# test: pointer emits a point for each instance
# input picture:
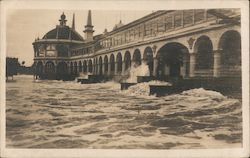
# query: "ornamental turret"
(89, 28)
(63, 20)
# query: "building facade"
(174, 44)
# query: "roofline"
(140, 20)
(57, 41)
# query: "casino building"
(195, 43)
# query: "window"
(154, 28)
(199, 15)
(131, 34)
(187, 17)
(168, 22)
(148, 29)
(141, 28)
(177, 20)
(137, 30)
(160, 24)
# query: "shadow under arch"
(230, 49)
(172, 61)
(62, 71)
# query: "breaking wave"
(142, 89)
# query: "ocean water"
(57, 114)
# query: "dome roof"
(63, 32)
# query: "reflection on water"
(57, 114)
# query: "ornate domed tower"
(53, 51)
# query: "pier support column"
(69, 69)
(184, 69)
(86, 69)
(55, 68)
(123, 68)
(133, 64)
(115, 73)
(109, 69)
(96, 69)
(93, 69)
(192, 64)
(155, 67)
(217, 63)
(103, 69)
(76, 69)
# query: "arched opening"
(75, 68)
(62, 70)
(84, 66)
(50, 70)
(106, 65)
(80, 66)
(127, 60)
(90, 70)
(136, 58)
(148, 59)
(112, 64)
(39, 69)
(119, 63)
(172, 62)
(100, 66)
(204, 54)
(230, 46)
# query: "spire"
(89, 28)
(89, 20)
(73, 22)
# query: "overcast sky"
(23, 26)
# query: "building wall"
(169, 31)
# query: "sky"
(24, 25)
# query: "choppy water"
(56, 114)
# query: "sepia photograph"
(124, 79)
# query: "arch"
(230, 46)
(204, 53)
(172, 61)
(90, 66)
(112, 64)
(119, 62)
(39, 69)
(148, 59)
(100, 66)
(62, 70)
(50, 70)
(75, 68)
(106, 64)
(137, 58)
(127, 60)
